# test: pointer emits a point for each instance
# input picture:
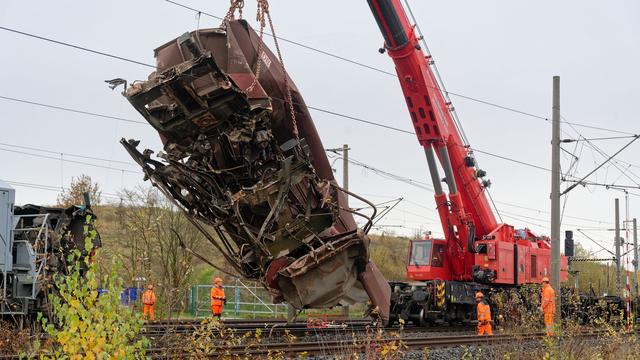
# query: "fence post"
(192, 300)
(237, 298)
(253, 290)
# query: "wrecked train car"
(242, 156)
(35, 243)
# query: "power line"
(72, 110)
(77, 47)
(360, 120)
(538, 219)
(424, 186)
(416, 183)
(323, 52)
(67, 154)
(408, 180)
(614, 162)
(599, 166)
(608, 186)
(412, 133)
(72, 161)
(55, 188)
(317, 109)
(62, 43)
(512, 160)
(547, 212)
(597, 138)
(445, 91)
(310, 107)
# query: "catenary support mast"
(617, 244)
(555, 194)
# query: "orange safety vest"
(484, 312)
(548, 301)
(217, 296)
(149, 297)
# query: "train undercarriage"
(437, 303)
(434, 302)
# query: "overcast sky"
(504, 52)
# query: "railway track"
(328, 341)
(330, 347)
(276, 327)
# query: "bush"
(86, 325)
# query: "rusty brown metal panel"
(264, 197)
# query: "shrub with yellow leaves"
(88, 325)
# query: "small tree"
(88, 325)
(74, 195)
(155, 229)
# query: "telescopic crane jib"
(478, 248)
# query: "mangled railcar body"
(242, 155)
(35, 245)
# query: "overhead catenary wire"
(310, 107)
(415, 182)
(408, 180)
(597, 138)
(599, 166)
(77, 47)
(67, 154)
(597, 149)
(488, 153)
(72, 161)
(77, 111)
(424, 186)
(55, 188)
(97, 52)
(66, 44)
(323, 52)
(369, 67)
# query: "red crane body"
(476, 247)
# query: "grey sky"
(499, 51)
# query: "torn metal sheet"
(250, 171)
(66, 232)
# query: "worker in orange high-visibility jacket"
(483, 315)
(217, 298)
(148, 302)
(548, 305)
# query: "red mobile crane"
(477, 252)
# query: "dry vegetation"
(144, 232)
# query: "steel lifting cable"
(233, 6)
(260, 17)
(262, 14)
(264, 4)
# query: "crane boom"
(466, 215)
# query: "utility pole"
(345, 168)
(635, 258)
(617, 244)
(345, 185)
(555, 195)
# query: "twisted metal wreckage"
(242, 155)
(35, 245)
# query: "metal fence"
(244, 300)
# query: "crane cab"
(427, 260)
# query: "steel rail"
(326, 347)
